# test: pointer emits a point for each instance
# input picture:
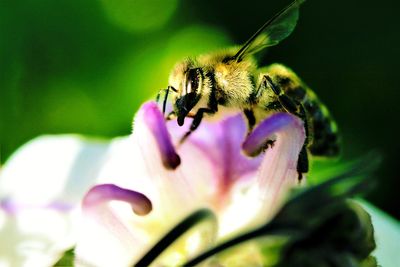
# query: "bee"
(214, 84)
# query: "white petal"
(34, 237)
(138, 163)
(40, 186)
(51, 168)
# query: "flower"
(134, 190)
(210, 172)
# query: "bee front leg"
(196, 122)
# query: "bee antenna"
(165, 99)
(158, 95)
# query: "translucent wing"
(273, 31)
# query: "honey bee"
(230, 81)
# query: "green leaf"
(67, 259)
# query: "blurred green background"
(72, 66)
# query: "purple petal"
(220, 143)
(155, 121)
(104, 193)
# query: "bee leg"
(196, 122)
(302, 163)
(251, 119)
(297, 109)
(302, 115)
(290, 105)
(284, 99)
(165, 100)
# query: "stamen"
(155, 121)
(104, 193)
(259, 137)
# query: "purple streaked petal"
(155, 121)
(101, 194)
(226, 138)
(12, 207)
(101, 220)
(278, 170)
(255, 142)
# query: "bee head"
(189, 83)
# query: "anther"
(155, 122)
(104, 193)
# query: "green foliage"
(76, 66)
(67, 259)
(345, 238)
